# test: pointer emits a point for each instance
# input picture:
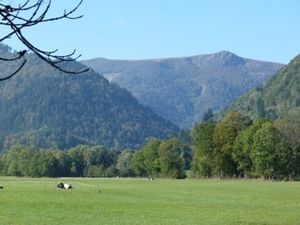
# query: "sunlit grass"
(138, 201)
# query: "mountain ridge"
(45, 108)
(182, 89)
(221, 52)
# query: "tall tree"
(203, 147)
(271, 155)
(171, 159)
(289, 128)
(125, 164)
(139, 163)
(224, 136)
(151, 157)
(208, 116)
(76, 155)
(243, 146)
(64, 163)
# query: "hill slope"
(45, 108)
(183, 89)
(279, 98)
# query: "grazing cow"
(64, 186)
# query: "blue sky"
(142, 29)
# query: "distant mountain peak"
(225, 53)
(226, 58)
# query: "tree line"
(235, 147)
(239, 147)
(96, 161)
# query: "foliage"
(203, 146)
(125, 164)
(279, 98)
(224, 136)
(208, 116)
(79, 161)
(289, 128)
(139, 163)
(151, 157)
(171, 158)
(242, 148)
(45, 108)
(271, 149)
(235, 147)
(156, 158)
(161, 158)
(271, 155)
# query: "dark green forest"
(46, 108)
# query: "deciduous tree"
(125, 164)
(171, 159)
(203, 148)
(224, 136)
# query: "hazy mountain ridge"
(46, 108)
(182, 89)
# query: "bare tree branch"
(14, 73)
(29, 14)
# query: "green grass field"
(141, 202)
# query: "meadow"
(25, 201)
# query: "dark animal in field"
(64, 186)
(1, 187)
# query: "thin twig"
(30, 14)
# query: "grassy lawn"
(141, 202)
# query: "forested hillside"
(259, 136)
(183, 89)
(279, 98)
(43, 107)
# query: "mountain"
(279, 98)
(46, 108)
(181, 90)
